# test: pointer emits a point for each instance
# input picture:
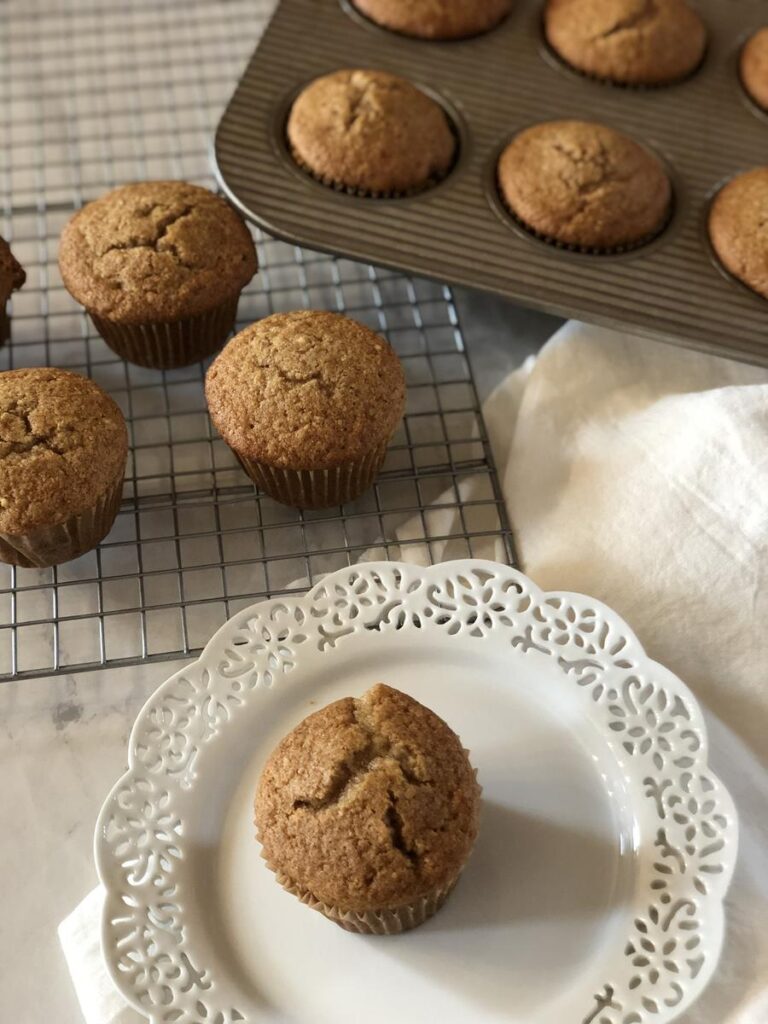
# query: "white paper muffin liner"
(50, 545)
(316, 488)
(164, 346)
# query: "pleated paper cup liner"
(629, 86)
(362, 193)
(587, 250)
(387, 921)
(52, 545)
(5, 326)
(167, 345)
(316, 488)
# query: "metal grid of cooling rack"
(93, 94)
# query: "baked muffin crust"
(738, 228)
(63, 443)
(155, 251)
(369, 803)
(306, 390)
(370, 131)
(753, 66)
(585, 185)
(12, 275)
(436, 19)
(630, 42)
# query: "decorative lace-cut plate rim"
(682, 825)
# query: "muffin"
(436, 19)
(368, 812)
(585, 186)
(753, 67)
(737, 221)
(629, 42)
(159, 266)
(370, 133)
(63, 448)
(12, 277)
(308, 402)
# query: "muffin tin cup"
(165, 346)
(51, 545)
(315, 488)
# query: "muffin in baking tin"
(370, 133)
(584, 186)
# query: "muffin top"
(370, 131)
(155, 251)
(737, 228)
(12, 274)
(754, 67)
(584, 184)
(306, 390)
(63, 443)
(436, 19)
(369, 803)
(632, 42)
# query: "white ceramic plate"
(594, 895)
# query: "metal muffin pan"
(705, 129)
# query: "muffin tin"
(705, 129)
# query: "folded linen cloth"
(636, 473)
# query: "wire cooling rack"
(93, 94)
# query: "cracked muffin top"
(369, 803)
(306, 390)
(753, 66)
(436, 19)
(12, 275)
(155, 251)
(371, 132)
(738, 228)
(583, 184)
(631, 42)
(63, 443)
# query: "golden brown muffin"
(12, 277)
(630, 42)
(436, 19)
(370, 132)
(159, 266)
(737, 228)
(584, 185)
(63, 448)
(368, 811)
(308, 401)
(753, 66)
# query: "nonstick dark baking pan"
(705, 129)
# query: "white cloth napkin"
(637, 473)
